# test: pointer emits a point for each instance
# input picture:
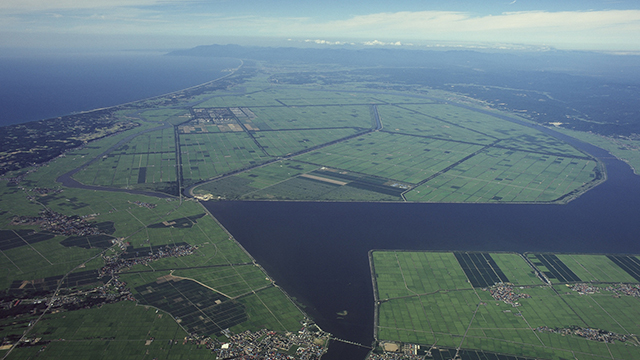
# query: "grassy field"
(425, 298)
(114, 331)
(626, 149)
(443, 152)
(439, 151)
(218, 268)
(264, 141)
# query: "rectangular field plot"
(630, 264)
(123, 321)
(312, 187)
(400, 98)
(582, 321)
(481, 269)
(10, 239)
(302, 97)
(298, 188)
(553, 268)
(598, 268)
(128, 170)
(281, 143)
(407, 121)
(271, 309)
(232, 281)
(425, 319)
(207, 155)
(516, 269)
(471, 120)
(147, 158)
(196, 308)
(149, 143)
(398, 157)
(173, 116)
(260, 98)
(311, 117)
(505, 175)
(540, 143)
(236, 186)
(405, 273)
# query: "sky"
(605, 25)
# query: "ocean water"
(35, 86)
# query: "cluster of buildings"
(59, 224)
(18, 178)
(264, 344)
(112, 292)
(114, 264)
(587, 333)
(625, 289)
(307, 344)
(505, 293)
(618, 290)
(394, 356)
(45, 191)
(583, 289)
(143, 204)
(392, 350)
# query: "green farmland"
(422, 152)
(216, 275)
(106, 251)
(270, 142)
(530, 306)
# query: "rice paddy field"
(393, 146)
(551, 306)
(219, 279)
(261, 140)
(431, 151)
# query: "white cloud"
(381, 43)
(577, 29)
(458, 22)
(566, 29)
(327, 42)
(22, 6)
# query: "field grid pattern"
(393, 147)
(438, 152)
(425, 298)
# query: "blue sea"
(35, 85)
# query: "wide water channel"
(318, 251)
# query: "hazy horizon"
(157, 24)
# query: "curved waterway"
(318, 251)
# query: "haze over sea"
(36, 86)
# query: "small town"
(505, 293)
(584, 289)
(392, 350)
(590, 334)
(115, 264)
(625, 289)
(307, 344)
(59, 224)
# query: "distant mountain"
(574, 62)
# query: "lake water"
(318, 251)
(35, 86)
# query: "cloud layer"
(615, 29)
